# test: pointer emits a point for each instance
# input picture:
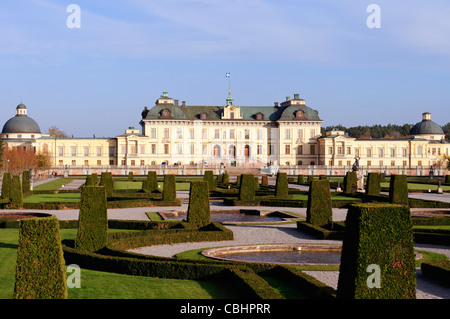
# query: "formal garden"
(38, 249)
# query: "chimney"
(296, 96)
(288, 98)
(175, 102)
(275, 104)
(183, 103)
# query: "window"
(203, 116)
(349, 150)
(99, 162)
(247, 134)
(369, 163)
(166, 148)
(142, 162)
(392, 152)
(339, 150)
(216, 134)
(153, 132)
(191, 133)
(99, 151)
(112, 150)
(74, 162)
(313, 133)
(166, 133)
(142, 149)
(287, 133)
(123, 149)
(204, 149)
(300, 150)
(404, 163)
(369, 152)
(380, 152)
(86, 163)
(300, 134)
(271, 149)
(287, 149)
(179, 148)
(204, 133)
(392, 163)
(404, 152)
(259, 134)
(357, 152)
(419, 150)
(380, 163)
(133, 162)
(73, 151)
(192, 149)
(232, 115)
(232, 133)
(60, 151)
(179, 133)
(133, 149)
(259, 149)
(232, 150)
(312, 149)
(60, 162)
(153, 148)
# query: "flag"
(228, 74)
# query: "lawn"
(53, 185)
(49, 198)
(421, 187)
(103, 285)
(333, 197)
(180, 186)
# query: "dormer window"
(231, 115)
(203, 116)
(299, 115)
(259, 116)
(165, 114)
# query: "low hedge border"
(437, 270)
(337, 231)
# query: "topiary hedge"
(169, 190)
(6, 185)
(300, 179)
(373, 184)
(247, 188)
(282, 186)
(92, 233)
(150, 184)
(26, 182)
(319, 208)
(106, 181)
(199, 213)
(398, 189)
(209, 178)
(16, 195)
(350, 183)
(380, 235)
(40, 268)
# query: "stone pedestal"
(360, 182)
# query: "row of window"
(231, 133)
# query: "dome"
(21, 123)
(426, 127)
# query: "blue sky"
(98, 78)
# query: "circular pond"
(297, 254)
(235, 216)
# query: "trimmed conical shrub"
(350, 183)
(40, 265)
(16, 195)
(6, 185)
(373, 184)
(398, 189)
(209, 177)
(377, 259)
(92, 233)
(199, 213)
(169, 190)
(247, 188)
(319, 209)
(106, 181)
(282, 186)
(26, 182)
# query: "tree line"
(381, 131)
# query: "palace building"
(286, 134)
